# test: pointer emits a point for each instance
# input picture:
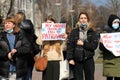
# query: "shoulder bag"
(40, 62)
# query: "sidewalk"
(37, 75)
(98, 73)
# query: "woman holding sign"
(82, 42)
(51, 48)
(111, 63)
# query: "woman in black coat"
(27, 28)
(14, 50)
(82, 42)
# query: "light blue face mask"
(9, 31)
(115, 26)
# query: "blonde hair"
(47, 45)
(20, 16)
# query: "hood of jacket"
(27, 26)
(111, 18)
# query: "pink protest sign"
(53, 31)
(111, 41)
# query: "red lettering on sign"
(108, 46)
(51, 36)
(107, 41)
(117, 41)
(107, 36)
(118, 51)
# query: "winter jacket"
(111, 63)
(27, 29)
(51, 48)
(20, 58)
(84, 52)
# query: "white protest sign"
(111, 41)
(53, 31)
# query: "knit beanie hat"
(111, 18)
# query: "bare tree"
(10, 8)
(4, 7)
(44, 6)
(114, 5)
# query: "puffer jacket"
(87, 50)
(27, 28)
(22, 46)
(111, 63)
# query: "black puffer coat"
(87, 50)
(22, 46)
(27, 29)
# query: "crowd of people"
(19, 45)
(18, 48)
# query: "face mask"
(115, 26)
(9, 31)
(83, 26)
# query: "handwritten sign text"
(111, 41)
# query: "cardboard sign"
(111, 42)
(53, 31)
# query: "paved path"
(37, 75)
(98, 73)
